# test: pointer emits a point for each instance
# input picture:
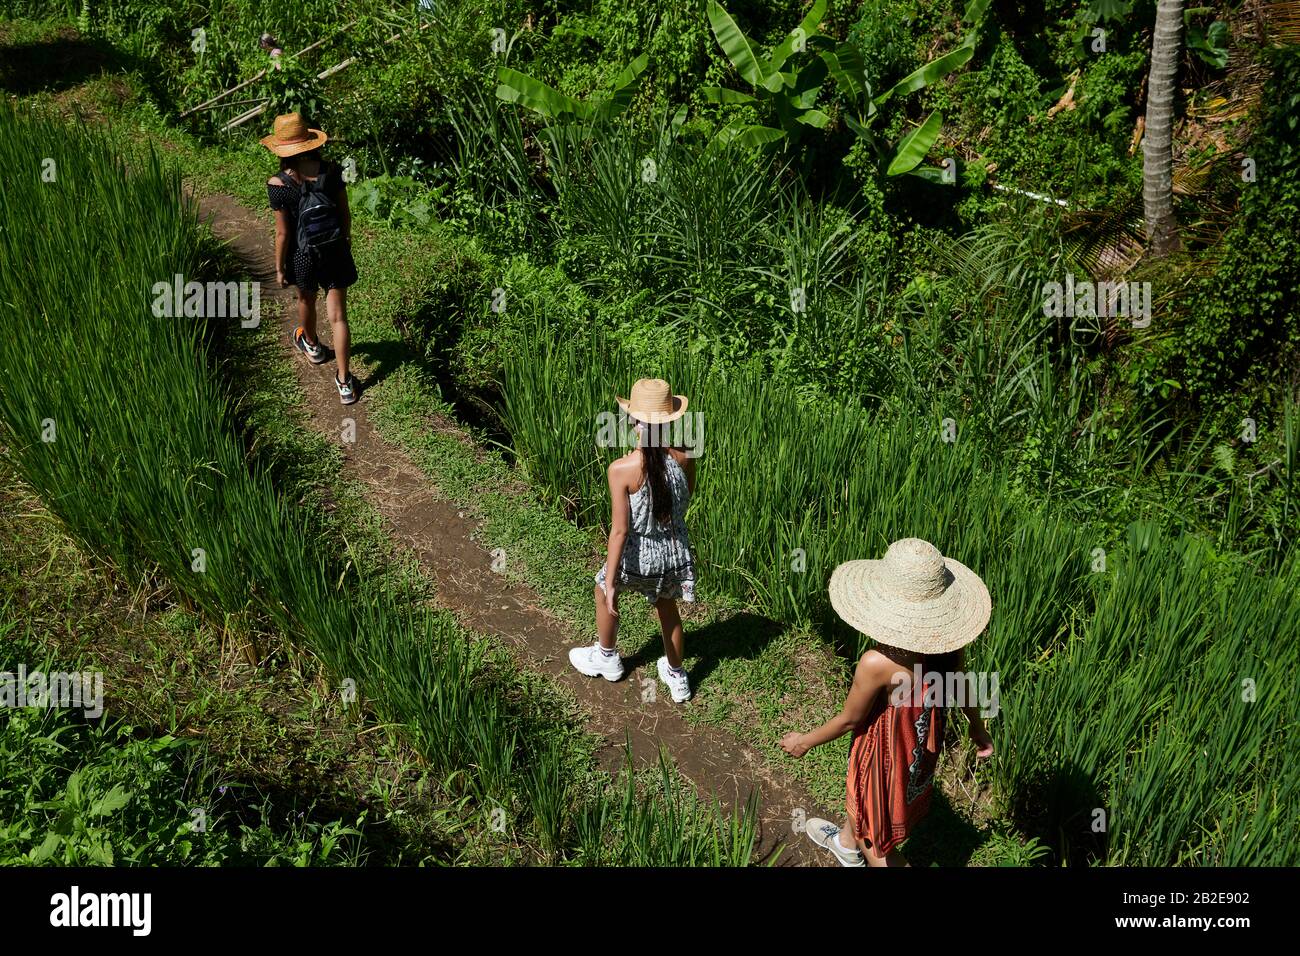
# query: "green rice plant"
(662, 822)
(787, 491)
(1109, 654)
(604, 190)
(1219, 751)
(1139, 723)
(642, 210)
(549, 783)
(492, 164)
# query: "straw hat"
(291, 135)
(914, 599)
(653, 402)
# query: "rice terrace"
(689, 433)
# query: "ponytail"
(656, 473)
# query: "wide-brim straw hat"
(290, 135)
(653, 402)
(914, 598)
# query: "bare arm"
(345, 214)
(978, 732)
(868, 681)
(619, 523)
(281, 237)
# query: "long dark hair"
(942, 665)
(655, 457)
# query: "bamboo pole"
(256, 99)
(259, 110)
(243, 118)
(259, 75)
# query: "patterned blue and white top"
(657, 561)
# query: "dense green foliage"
(827, 317)
(1243, 319)
(77, 793)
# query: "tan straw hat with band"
(291, 135)
(914, 598)
(653, 402)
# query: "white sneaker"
(595, 663)
(827, 835)
(679, 687)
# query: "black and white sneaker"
(315, 352)
(347, 390)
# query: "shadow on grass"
(741, 636)
(944, 837)
(427, 345)
(59, 63)
(384, 358)
(284, 804)
(1061, 812)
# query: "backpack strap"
(326, 169)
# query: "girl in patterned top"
(922, 609)
(298, 147)
(649, 551)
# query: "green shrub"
(1240, 325)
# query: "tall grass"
(1120, 674)
(145, 467)
(710, 238)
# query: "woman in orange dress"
(922, 609)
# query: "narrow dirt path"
(448, 545)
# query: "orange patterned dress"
(891, 768)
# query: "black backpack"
(320, 229)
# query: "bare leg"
(307, 315)
(606, 623)
(336, 304)
(670, 624)
(848, 836)
(892, 858)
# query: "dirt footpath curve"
(448, 544)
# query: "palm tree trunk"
(1158, 143)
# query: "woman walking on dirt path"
(313, 240)
(649, 552)
(922, 609)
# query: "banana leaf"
(941, 66)
(860, 129)
(624, 88)
(933, 71)
(736, 45)
(516, 87)
(933, 174)
(914, 146)
(739, 133)
(720, 94)
(806, 29)
(814, 118)
(807, 84)
(847, 69)
(975, 11)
